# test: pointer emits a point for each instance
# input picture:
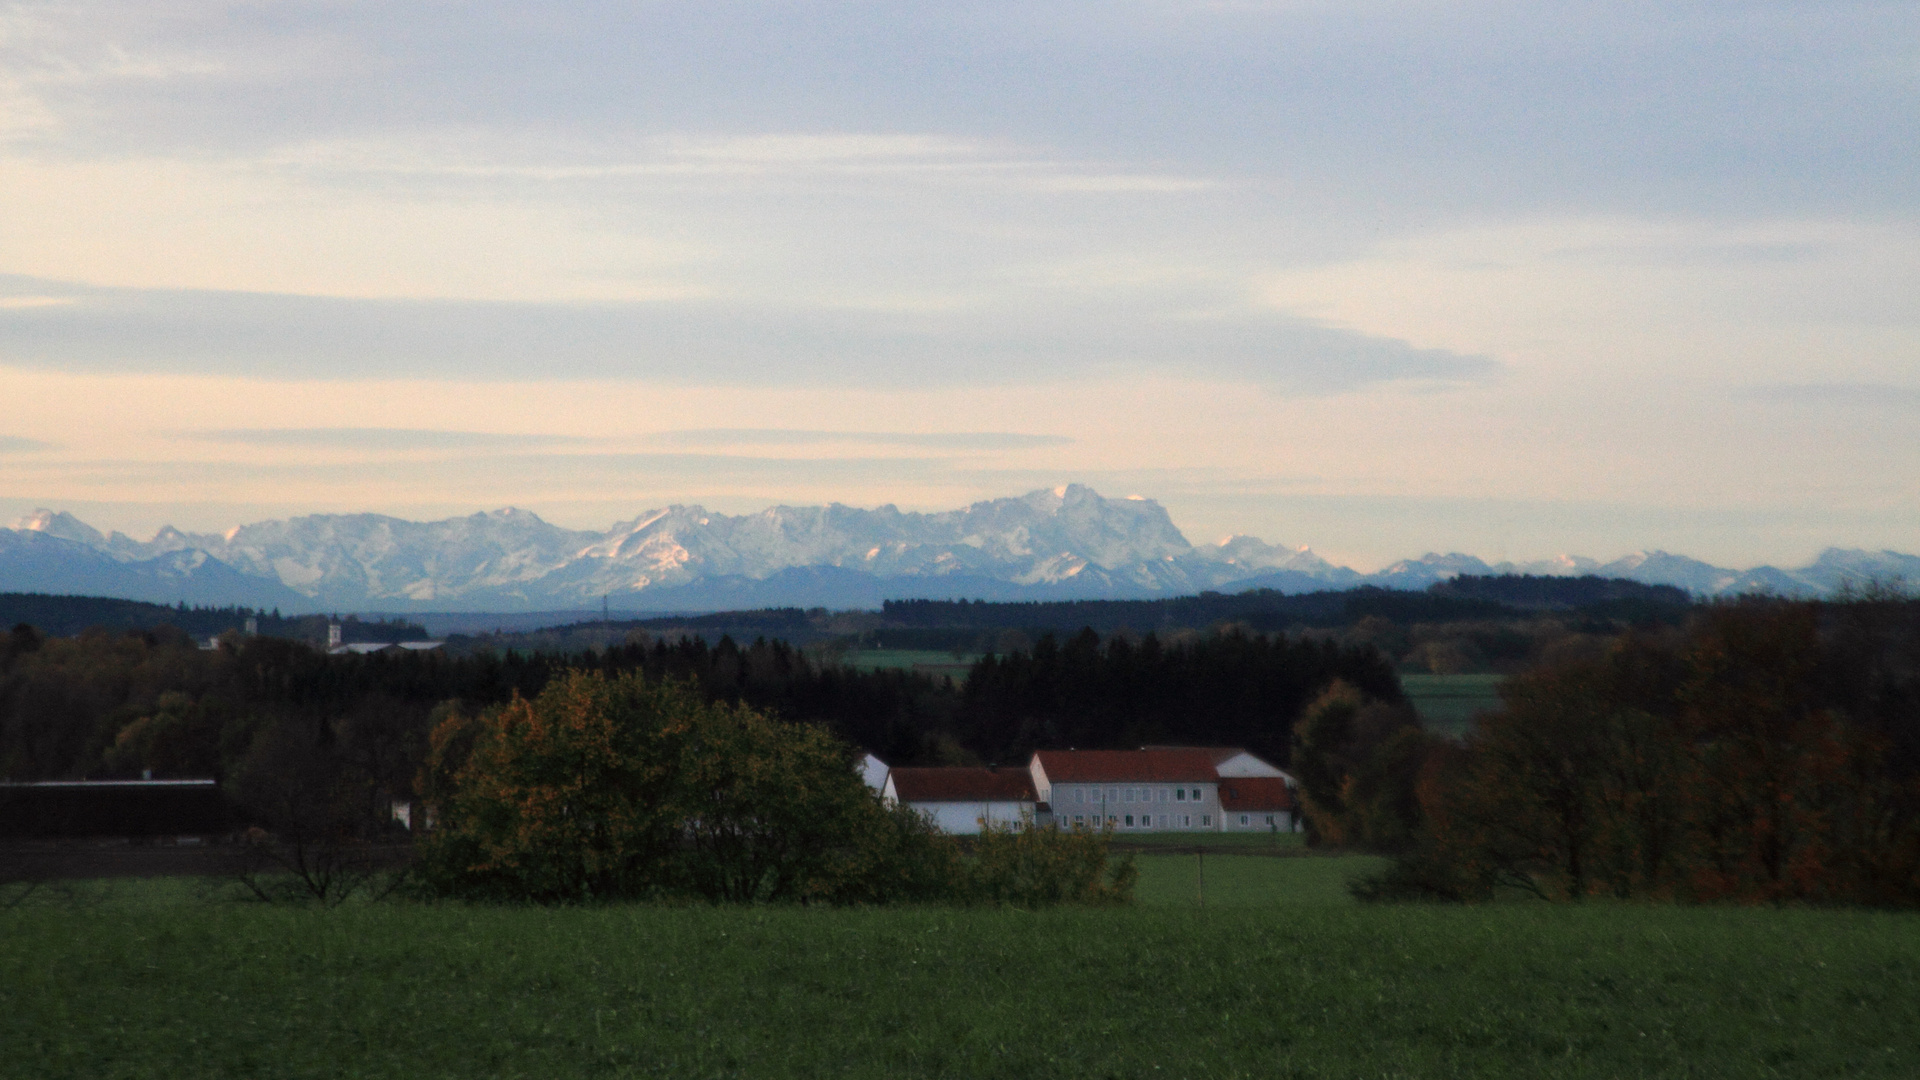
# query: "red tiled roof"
(963, 785)
(1127, 766)
(1255, 793)
(1219, 753)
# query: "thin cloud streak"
(702, 343)
(381, 439)
(944, 440)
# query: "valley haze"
(1068, 542)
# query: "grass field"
(930, 662)
(1446, 703)
(1253, 842)
(1239, 882)
(148, 979)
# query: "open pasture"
(1252, 843)
(925, 661)
(127, 979)
(1216, 880)
(1447, 703)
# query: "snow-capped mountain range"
(1064, 543)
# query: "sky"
(1380, 277)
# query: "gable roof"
(1255, 793)
(1218, 753)
(1169, 765)
(963, 785)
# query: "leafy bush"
(1037, 867)
(619, 788)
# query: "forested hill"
(1560, 593)
(65, 616)
(1265, 610)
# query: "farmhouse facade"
(958, 800)
(1153, 789)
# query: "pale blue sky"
(1377, 277)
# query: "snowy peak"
(63, 525)
(1067, 542)
(1252, 553)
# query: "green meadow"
(1447, 703)
(1278, 975)
(1252, 843)
(926, 661)
(1214, 880)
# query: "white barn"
(1163, 789)
(958, 800)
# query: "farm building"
(1256, 804)
(959, 799)
(1163, 790)
(1153, 789)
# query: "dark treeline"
(117, 705)
(65, 616)
(1590, 592)
(120, 705)
(1229, 689)
(1769, 750)
(1269, 611)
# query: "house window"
(1269, 819)
(1080, 794)
(1129, 821)
(1129, 794)
(1196, 794)
(1206, 820)
(1163, 794)
(1179, 794)
(1243, 819)
(1113, 794)
(1186, 821)
(1079, 820)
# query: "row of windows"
(1115, 795)
(1143, 821)
(1245, 819)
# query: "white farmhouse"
(958, 800)
(1163, 789)
(1152, 789)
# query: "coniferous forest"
(109, 704)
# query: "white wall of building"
(963, 818)
(873, 772)
(1189, 807)
(1258, 821)
(1245, 764)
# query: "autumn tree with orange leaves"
(1770, 752)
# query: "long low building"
(1153, 789)
(959, 799)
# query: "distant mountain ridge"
(1059, 544)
